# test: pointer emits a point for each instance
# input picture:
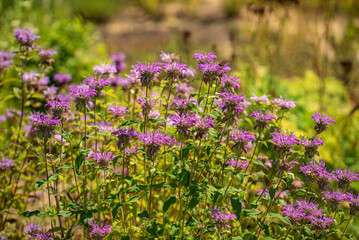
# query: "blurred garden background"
(303, 50)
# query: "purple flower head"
(46, 55)
(230, 82)
(168, 57)
(9, 114)
(6, 164)
(146, 105)
(183, 89)
(43, 236)
(82, 94)
(186, 73)
(203, 125)
(322, 122)
(212, 71)
(104, 69)
(25, 37)
(119, 62)
(97, 82)
(101, 159)
(262, 99)
(58, 106)
(153, 141)
(318, 172)
(147, 71)
(99, 231)
(62, 79)
(118, 112)
(353, 203)
(59, 138)
(153, 114)
(105, 126)
(262, 120)
(222, 218)
(283, 141)
(124, 136)
(307, 212)
(6, 55)
(293, 213)
(231, 104)
(50, 91)
(124, 83)
(204, 57)
(237, 163)
(32, 229)
(241, 138)
(5, 60)
(308, 206)
(311, 146)
(284, 166)
(44, 124)
(174, 70)
(183, 122)
(129, 151)
(334, 198)
(284, 104)
(31, 78)
(181, 105)
(345, 177)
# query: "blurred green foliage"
(77, 44)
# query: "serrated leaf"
(65, 213)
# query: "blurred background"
(303, 50)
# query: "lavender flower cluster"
(135, 148)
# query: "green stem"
(346, 227)
(254, 151)
(43, 148)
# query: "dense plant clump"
(144, 156)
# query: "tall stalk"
(43, 148)
(346, 227)
(23, 100)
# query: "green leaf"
(282, 218)
(260, 163)
(30, 214)
(191, 222)
(250, 212)
(65, 213)
(133, 199)
(237, 238)
(170, 201)
(116, 209)
(272, 191)
(152, 228)
(194, 201)
(143, 214)
(40, 183)
(185, 177)
(236, 202)
(159, 120)
(130, 122)
(79, 160)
